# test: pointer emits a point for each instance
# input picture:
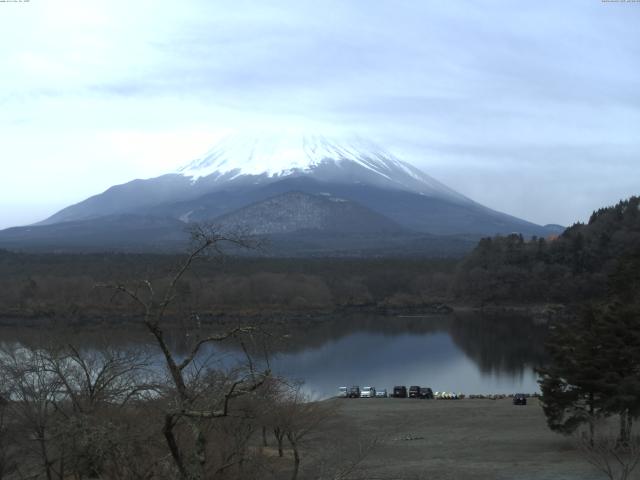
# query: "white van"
(368, 392)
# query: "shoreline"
(537, 311)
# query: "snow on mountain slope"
(245, 169)
(276, 156)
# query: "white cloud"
(476, 93)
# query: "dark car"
(399, 392)
(414, 391)
(519, 399)
(426, 393)
(354, 392)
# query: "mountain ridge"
(280, 156)
(239, 176)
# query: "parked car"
(519, 399)
(414, 391)
(399, 392)
(381, 393)
(354, 392)
(368, 392)
(343, 392)
(426, 393)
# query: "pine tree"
(619, 331)
(594, 367)
(572, 383)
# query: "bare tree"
(7, 450)
(608, 455)
(92, 378)
(296, 418)
(279, 432)
(96, 385)
(34, 394)
(192, 403)
(66, 407)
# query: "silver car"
(381, 393)
(343, 392)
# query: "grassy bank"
(475, 439)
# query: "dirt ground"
(457, 439)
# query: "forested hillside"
(575, 266)
(582, 263)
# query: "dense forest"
(64, 285)
(570, 268)
(575, 266)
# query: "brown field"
(456, 439)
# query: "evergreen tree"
(594, 367)
(571, 384)
(619, 331)
(620, 336)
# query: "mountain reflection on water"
(463, 353)
(466, 353)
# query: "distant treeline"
(576, 266)
(65, 284)
(573, 267)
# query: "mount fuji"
(330, 195)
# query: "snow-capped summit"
(349, 160)
(283, 184)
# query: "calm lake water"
(459, 353)
(456, 353)
(370, 359)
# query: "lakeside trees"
(196, 394)
(572, 268)
(130, 414)
(571, 384)
(593, 373)
(594, 359)
(70, 412)
(62, 286)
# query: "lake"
(462, 353)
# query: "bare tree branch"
(211, 339)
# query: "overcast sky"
(531, 108)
